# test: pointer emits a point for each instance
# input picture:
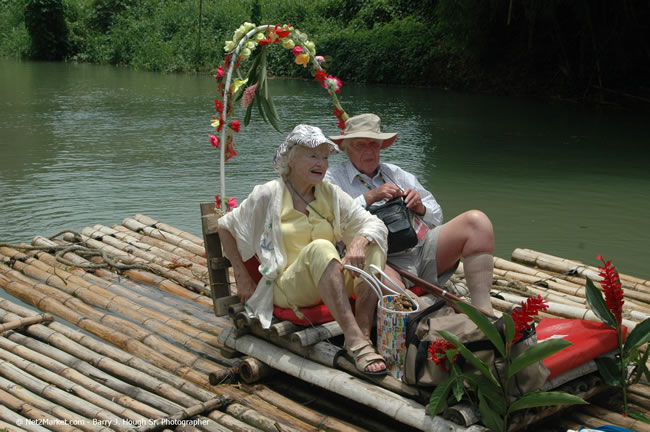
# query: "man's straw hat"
(365, 126)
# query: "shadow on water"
(86, 144)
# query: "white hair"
(282, 161)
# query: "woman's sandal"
(364, 355)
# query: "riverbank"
(561, 51)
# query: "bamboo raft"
(160, 345)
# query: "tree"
(45, 22)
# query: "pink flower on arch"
(220, 72)
(232, 203)
(296, 50)
(249, 95)
(214, 141)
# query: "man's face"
(364, 154)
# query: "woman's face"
(309, 165)
(364, 154)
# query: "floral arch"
(252, 89)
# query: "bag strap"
(376, 283)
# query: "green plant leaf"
(537, 399)
(536, 353)
(637, 337)
(510, 327)
(638, 416)
(270, 114)
(597, 304)
(483, 385)
(470, 357)
(488, 416)
(439, 396)
(610, 370)
(458, 388)
(484, 324)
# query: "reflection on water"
(84, 144)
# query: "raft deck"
(85, 347)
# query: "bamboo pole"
(616, 418)
(401, 409)
(323, 422)
(634, 300)
(47, 262)
(136, 226)
(125, 234)
(146, 220)
(195, 410)
(135, 341)
(49, 407)
(96, 296)
(9, 427)
(252, 370)
(47, 378)
(236, 409)
(25, 322)
(182, 278)
(75, 372)
(140, 275)
(33, 413)
(550, 262)
(11, 417)
(150, 255)
(312, 335)
(565, 311)
(184, 259)
(625, 278)
(74, 403)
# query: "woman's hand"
(245, 286)
(414, 202)
(356, 253)
(245, 283)
(387, 190)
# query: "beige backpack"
(422, 328)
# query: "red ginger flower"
(437, 351)
(320, 76)
(611, 284)
(249, 95)
(523, 317)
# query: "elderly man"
(440, 246)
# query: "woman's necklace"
(293, 188)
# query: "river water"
(85, 144)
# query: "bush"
(16, 41)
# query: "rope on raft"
(80, 248)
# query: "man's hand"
(387, 190)
(414, 202)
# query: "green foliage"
(15, 39)
(47, 28)
(614, 371)
(560, 46)
(494, 402)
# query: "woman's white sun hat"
(304, 135)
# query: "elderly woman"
(292, 225)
